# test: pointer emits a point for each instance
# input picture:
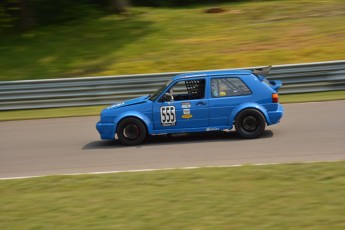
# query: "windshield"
(159, 91)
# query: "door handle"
(201, 103)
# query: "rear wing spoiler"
(262, 71)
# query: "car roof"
(212, 73)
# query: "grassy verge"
(179, 39)
(312, 97)
(51, 113)
(291, 196)
(95, 110)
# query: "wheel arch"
(140, 116)
(254, 106)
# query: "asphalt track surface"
(307, 132)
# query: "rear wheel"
(250, 123)
(131, 131)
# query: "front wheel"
(250, 123)
(131, 131)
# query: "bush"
(26, 13)
(175, 3)
(52, 12)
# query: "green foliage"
(175, 3)
(15, 13)
(54, 12)
(8, 11)
(19, 13)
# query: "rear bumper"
(276, 115)
(106, 130)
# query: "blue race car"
(197, 102)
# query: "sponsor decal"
(168, 115)
(212, 129)
(186, 111)
(186, 105)
(187, 116)
(168, 124)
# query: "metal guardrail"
(30, 94)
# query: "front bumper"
(106, 130)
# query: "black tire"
(250, 123)
(131, 131)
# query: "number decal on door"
(168, 115)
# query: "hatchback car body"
(197, 102)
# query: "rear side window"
(264, 80)
(229, 87)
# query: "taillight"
(275, 98)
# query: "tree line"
(25, 14)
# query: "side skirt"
(191, 130)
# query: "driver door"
(182, 106)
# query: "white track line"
(165, 169)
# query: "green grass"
(95, 110)
(180, 39)
(51, 113)
(313, 97)
(291, 196)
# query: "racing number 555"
(168, 115)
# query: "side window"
(187, 90)
(229, 87)
(179, 89)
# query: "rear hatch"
(261, 73)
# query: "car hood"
(133, 101)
